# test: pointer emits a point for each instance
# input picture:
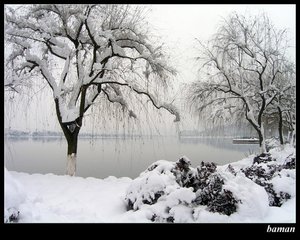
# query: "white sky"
(178, 26)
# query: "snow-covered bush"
(14, 195)
(169, 185)
(289, 163)
(208, 185)
(264, 170)
(215, 197)
(150, 185)
(177, 192)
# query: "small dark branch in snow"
(11, 86)
(152, 167)
(26, 37)
(35, 64)
(78, 33)
(94, 98)
(55, 54)
(108, 97)
(231, 169)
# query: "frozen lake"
(128, 157)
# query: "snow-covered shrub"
(262, 172)
(183, 173)
(170, 185)
(153, 183)
(175, 206)
(150, 185)
(224, 203)
(209, 190)
(289, 163)
(262, 158)
(177, 192)
(14, 195)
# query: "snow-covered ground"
(52, 198)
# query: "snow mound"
(177, 192)
(274, 174)
(252, 198)
(150, 185)
(14, 196)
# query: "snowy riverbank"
(52, 198)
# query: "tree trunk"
(293, 138)
(72, 154)
(71, 131)
(288, 135)
(280, 125)
(261, 134)
(261, 137)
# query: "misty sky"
(178, 26)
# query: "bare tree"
(283, 107)
(83, 52)
(242, 63)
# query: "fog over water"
(121, 157)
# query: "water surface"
(122, 157)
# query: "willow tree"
(84, 52)
(283, 107)
(241, 69)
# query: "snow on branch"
(155, 102)
(15, 53)
(116, 97)
(90, 45)
(44, 70)
(69, 114)
(59, 48)
(21, 43)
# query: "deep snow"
(52, 198)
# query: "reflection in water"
(119, 157)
